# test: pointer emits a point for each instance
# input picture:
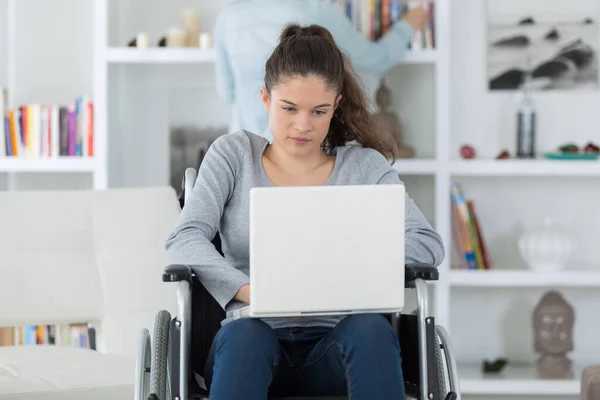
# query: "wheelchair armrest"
(420, 271)
(177, 273)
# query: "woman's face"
(300, 111)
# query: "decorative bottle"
(526, 122)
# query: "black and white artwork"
(557, 40)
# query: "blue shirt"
(247, 31)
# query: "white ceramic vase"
(546, 248)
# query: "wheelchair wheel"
(142, 366)
(441, 368)
(160, 354)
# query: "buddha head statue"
(553, 321)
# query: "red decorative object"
(591, 148)
(467, 151)
(503, 155)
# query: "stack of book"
(72, 335)
(467, 233)
(47, 130)
(373, 18)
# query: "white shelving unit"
(539, 167)
(524, 278)
(43, 165)
(519, 380)
(132, 55)
(157, 55)
(13, 166)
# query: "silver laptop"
(326, 250)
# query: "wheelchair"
(170, 363)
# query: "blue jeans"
(360, 358)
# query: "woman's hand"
(243, 294)
(416, 17)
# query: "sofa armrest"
(426, 272)
(177, 273)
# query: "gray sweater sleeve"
(190, 241)
(422, 243)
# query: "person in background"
(246, 33)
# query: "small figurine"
(390, 122)
(176, 37)
(494, 366)
(591, 148)
(190, 23)
(553, 321)
(504, 154)
(140, 40)
(467, 152)
(569, 148)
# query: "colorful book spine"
(462, 219)
(467, 232)
(375, 18)
(481, 245)
(48, 130)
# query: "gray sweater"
(220, 202)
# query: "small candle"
(142, 40)
(205, 41)
(175, 38)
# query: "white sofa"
(82, 256)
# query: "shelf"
(159, 55)
(61, 164)
(514, 380)
(162, 55)
(421, 57)
(541, 167)
(415, 166)
(524, 278)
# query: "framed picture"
(557, 40)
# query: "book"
(467, 232)
(374, 18)
(48, 130)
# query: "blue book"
(9, 149)
(395, 10)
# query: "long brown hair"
(312, 50)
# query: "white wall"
(486, 120)
(3, 43)
(3, 63)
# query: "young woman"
(245, 35)
(315, 107)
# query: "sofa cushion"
(61, 372)
(45, 256)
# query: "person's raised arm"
(223, 73)
(190, 241)
(367, 55)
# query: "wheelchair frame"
(175, 368)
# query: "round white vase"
(546, 248)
